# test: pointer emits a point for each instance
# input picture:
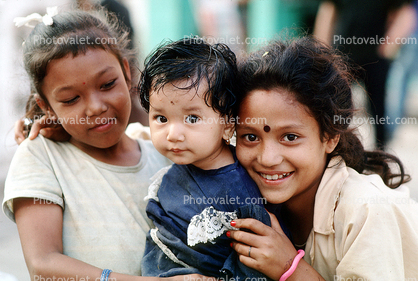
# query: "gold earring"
(227, 141)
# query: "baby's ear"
(229, 128)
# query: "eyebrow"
(192, 108)
(246, 127)
(255, 127)
(70, 87)
(186, 110)
(293, 126)
(155, 108)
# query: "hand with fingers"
(267, 249)
(270, 251)
(20, 132)
(49, 127)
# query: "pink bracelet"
(292, 268)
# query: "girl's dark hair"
(320, 79)
(193, 58)
(72, 32)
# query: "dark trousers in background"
(374, 77)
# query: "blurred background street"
(243, 25)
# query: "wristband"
(292, 268)
(105, 274)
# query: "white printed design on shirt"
(208, 225)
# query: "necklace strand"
(300, 246)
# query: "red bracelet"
(292, 268)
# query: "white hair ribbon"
(46, 19)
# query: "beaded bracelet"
(105, 274)
(292, 268)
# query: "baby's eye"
(161, 119)
(290, 137)
(250, 137)
(192, 119)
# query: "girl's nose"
(175, 133)
(95, 105)
(270, 155)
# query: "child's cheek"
(243, 154)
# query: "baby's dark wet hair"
(196, 60)
(320, 79)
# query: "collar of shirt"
(328, 194)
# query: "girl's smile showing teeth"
(275, 176)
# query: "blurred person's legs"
(374, 77)
(221, 22)
(401, 72)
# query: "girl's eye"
(192, 119)
(108, 85)
(250, 137)
(290, 137)
(161, 119)
(71, 101)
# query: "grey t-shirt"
(104, 219)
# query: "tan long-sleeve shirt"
(362, 230)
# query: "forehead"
(94, 54)
(276, 108)
(84, 65)
(180, 92)
(70, 71)
(271, 101)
